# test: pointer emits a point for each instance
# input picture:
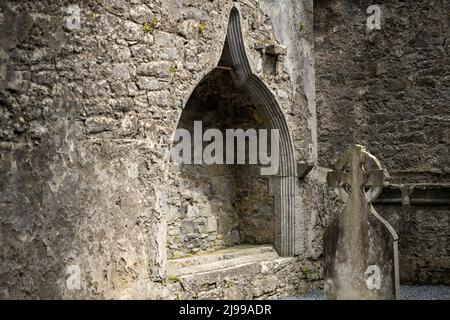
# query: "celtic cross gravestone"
(360, 247)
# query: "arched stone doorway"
(229, 205)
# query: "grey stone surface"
(388, 89)
(245, 272)
(360, 248)
(221, 259)
(423, 242)
(406, 293)
(86, 119)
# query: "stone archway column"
(284, 184)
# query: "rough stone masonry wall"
(225, 205)
(389, 89)
(86, 117)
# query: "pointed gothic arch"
(284, 183)
(285, 197)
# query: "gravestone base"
(372, 280)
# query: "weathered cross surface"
(360, 247)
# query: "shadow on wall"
(229, 204)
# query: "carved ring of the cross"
(357, 168)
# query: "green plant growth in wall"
(172, 278)
(301, 26)
(306, 272)
(201, 27)
(148, 27)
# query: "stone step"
(260, 275)
(220, 260)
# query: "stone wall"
(283, 277)
(424, 242)
(86, 118)
(228, 204)
(389, 89)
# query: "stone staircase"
(222, 259)
(241, 272)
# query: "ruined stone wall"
(225, 204)
(389, 89)
(424, 242)
(86, 117)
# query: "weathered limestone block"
(159, 69)
(141, 13)
(360, 247)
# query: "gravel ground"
(406, 293)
